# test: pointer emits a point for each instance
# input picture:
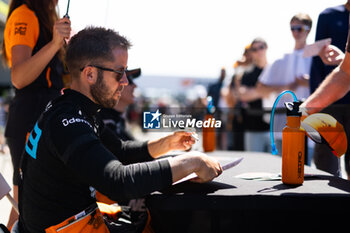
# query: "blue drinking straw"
(274, 150)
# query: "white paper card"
(225, 167)
(315, 48)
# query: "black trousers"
(16, 146)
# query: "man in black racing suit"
(69, 154)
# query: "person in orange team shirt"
(33, 49)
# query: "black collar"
(110, 113)
(86, 104)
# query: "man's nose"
(124, 81)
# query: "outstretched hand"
(331, 55)
(206, 168)
(181, 140)
(209, 169)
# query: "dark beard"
(98, 91)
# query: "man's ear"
(90, 74)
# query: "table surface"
(229, 192)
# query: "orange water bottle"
(293, 146)
(209, 142)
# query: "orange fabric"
(330, 130)
(22, 28)
(104, 199)
(27, 136)
(148, 228)
(49, 84)
(90, 223)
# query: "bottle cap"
(210, 108)
(293, 108)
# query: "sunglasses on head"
(119, 73)
(300, 28)
(257, 48)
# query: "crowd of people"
(71, 148)
(256, 84)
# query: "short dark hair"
(92, 45)
(303, 18)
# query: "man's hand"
(331, 55)
(180, 140)
(333, 88)
(205, 167)
(208, 169)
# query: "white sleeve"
(279, 72)
(265, 75)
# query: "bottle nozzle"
(210, 107)
(293, 108)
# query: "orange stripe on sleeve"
(27, 136)
(49, 84)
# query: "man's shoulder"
(109, 114)
(333, 10)
(63, 112)
(60, 106)
(65, 127)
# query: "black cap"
(293, 108)
(135, 73)
(132, 74)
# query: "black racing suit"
(116, 122)
(65, 161)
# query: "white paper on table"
(225, 167)
(315, 48)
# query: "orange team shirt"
(22, 28)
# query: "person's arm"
(179, 140)
(127, 152)
(331, 55)
(248, 94)
(334, 87)
(82, 151)
(205, 167)
(135, 151)
(100, 169)
(26, 68)
(265, 90)
(243, 92)
(303, 81)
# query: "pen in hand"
(66, 15)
